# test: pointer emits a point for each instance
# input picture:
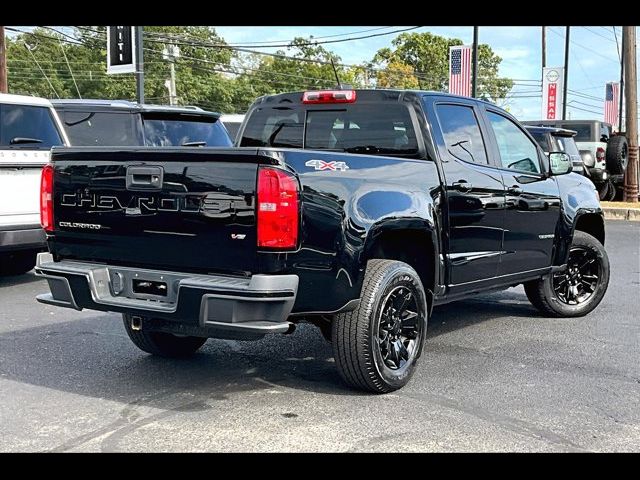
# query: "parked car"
(232, 122)
(607, 161)
(29, 127)
(123, 123)
(354, 210)
(553, 139)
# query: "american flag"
(611, 99)
(460, 70)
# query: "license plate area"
(149, 287)
(144, 284)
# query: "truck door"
(532, 198)
(474, 192)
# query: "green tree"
(307, 67)
(202, 72)
(397, 75)
(428, 55)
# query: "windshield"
(27, 126)
(101, 128)
(383, 128)
(163, 130)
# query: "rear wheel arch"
(413, 245)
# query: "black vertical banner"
(121, 50)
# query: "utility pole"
(474, 52)
(4, 88)
(631, 98)
(621, 85)
(544, 47)
(566, 73)
(139, 67)
(171, 53)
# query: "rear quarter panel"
(342, 209)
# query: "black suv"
(553, 139)
(123, 123)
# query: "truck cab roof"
(98, 104)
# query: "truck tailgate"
(187, 209)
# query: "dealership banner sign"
(552, 88)
(121, 49)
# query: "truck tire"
(580, 288)
(377, 345)
(616, 154)
(603, 190)
(17, 263)
(611, 193)
(161, 343)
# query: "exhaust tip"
(136, 324)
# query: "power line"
(598, 34)
(309, 43)
(582, 46)
(315, 38)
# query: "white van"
(29, 127)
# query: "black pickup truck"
(355, 210)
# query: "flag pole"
(474, 89)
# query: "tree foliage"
(428, 55)
(216, 77)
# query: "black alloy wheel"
(399, 328)
(579, 281)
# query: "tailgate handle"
(144, 178)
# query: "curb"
(630, 214)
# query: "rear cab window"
(28, 127)
(383, 128)
(170, 129)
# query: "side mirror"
(560, 163)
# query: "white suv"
(29, 127)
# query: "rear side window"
(462, 133)
(101, 128)
(583, 131)
(542, 140)
(371, 129)
(567, 145)
(163, 130)
(27, 127)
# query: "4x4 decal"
(322, 165)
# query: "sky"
(593, 57)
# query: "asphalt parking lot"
(495, 377)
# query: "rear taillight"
(600, 154)
(46, 198)
(329, 96)
(277, 216)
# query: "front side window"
(101, 128)
(462, 133)
(517, 151)
(28, 127)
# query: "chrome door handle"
(514, 190)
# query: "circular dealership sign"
(552, 76)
